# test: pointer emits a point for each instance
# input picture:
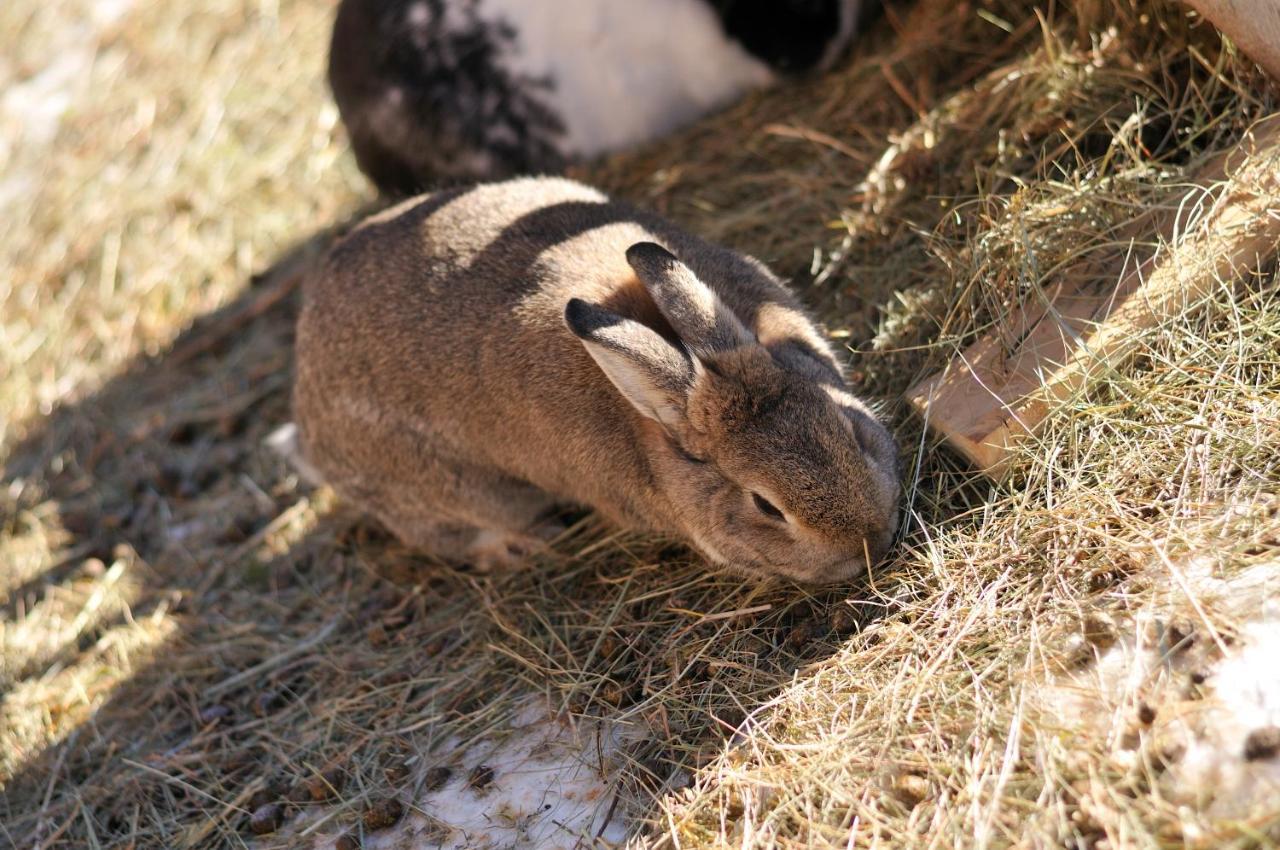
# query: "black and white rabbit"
(444, 91)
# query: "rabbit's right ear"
(692, 309)
(650, 372)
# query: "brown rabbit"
(472, 361)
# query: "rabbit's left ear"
(651, 373)
(694, 312)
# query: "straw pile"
(188, 633)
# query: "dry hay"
(188, 633)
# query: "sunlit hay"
(62, 660)
(197, 145)
(914, 195)
(93, 595)
(925, 721)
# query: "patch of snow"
(283, 441)
(543, 783)
(1218, 766)
(1210, 700)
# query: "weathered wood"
(1254, 25)
(1000, 388)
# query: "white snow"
(552, 788)
(283, 441)
(1245, 697)
(1202, 731)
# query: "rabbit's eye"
(766, 507)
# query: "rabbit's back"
(443, 316)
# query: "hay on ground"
(187, 631)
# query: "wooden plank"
(1254, 26)
(1001, 387)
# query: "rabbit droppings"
(473, 361)
(433, 91)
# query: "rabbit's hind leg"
(511, 518)
(431, 498)
(466, 513)
(483, 548)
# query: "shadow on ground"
(215, 636)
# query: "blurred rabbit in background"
(444, 91)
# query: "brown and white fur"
(473, 360)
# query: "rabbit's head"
(771, 469)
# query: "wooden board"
(1000, 388)
(1254, 26)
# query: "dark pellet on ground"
(480, 778)
(267, 702)
(383, 813)
(265, 796)
(842, 620)
(799, 636)
(1262, 743)
(184, 434)
(436, 778)
(171, 478)
(1181, 635)
(266, 818)
(326, 785)
(1099, 629)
